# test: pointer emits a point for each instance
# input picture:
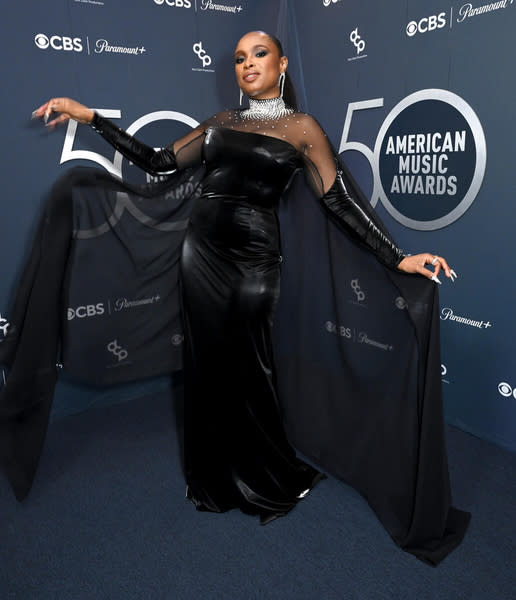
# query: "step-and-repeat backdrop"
(419, 98)
(416, 96)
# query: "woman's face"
(258, 66)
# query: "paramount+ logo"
(58, 42)
(426, 24)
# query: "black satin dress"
(236, 452)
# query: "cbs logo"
(426, 24)
(58, 42)
(506, 390)
(90, 310)
(178, 3)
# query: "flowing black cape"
(356, 344)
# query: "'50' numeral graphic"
(115, 167)
(359, 146)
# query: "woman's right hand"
(66, 108)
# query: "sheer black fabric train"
(361, 400)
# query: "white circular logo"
(41, 41)
(411, 27)
(444, 370)
(505, 389)
(159, 1)
(430, 158)
(71, 314)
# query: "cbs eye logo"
(58, 42)
(42, 41)
(506, 389)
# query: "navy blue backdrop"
(416, 95)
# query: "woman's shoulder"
(306, 119)
(301, 114)
(222, 118)
(310, 126)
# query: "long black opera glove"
(155, 162)
(347, 213)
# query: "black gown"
(235, 449)
(236, 452)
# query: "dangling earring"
(281, 83)
(241, 96)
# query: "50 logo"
(115, 166)
(123, 200)
(429, 158)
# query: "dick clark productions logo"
(429, 158)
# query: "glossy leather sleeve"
(155, 162)
(348, 214)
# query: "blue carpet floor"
(107, 519)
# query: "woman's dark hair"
(289, 94)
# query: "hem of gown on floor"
(250, 504)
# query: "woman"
(236, 451)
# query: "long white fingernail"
(452, 272)
(33, 114)
(434, 278)
(45, 117)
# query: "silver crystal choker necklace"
(269, 108)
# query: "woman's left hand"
(417, 262)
